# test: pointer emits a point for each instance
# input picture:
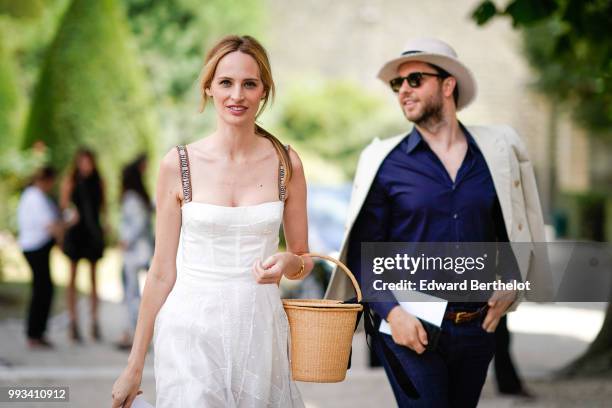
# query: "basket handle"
(341, 266)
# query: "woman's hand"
(272, 269)
(126, 388)
(70, 216)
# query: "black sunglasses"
(414, 80)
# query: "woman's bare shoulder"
(169, 164)
(296, 162)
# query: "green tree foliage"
(569, 44)
(10, 100)
(21, 8)
(13, 16)
(25, 27)
(335, 119)
(27, 35)
(174, 34)
(91, 90)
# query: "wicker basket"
(322, 334)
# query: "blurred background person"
(39, 226)
(83, 191)
(136, 240)
(507, 377)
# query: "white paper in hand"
(140, 402)
(424, 306)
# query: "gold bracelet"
(300, 272)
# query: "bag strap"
(371, 329)
(282, 175)
(372, 334)
(185, 173)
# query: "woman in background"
(83, 191)
(136, 240)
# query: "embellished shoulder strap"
(282, 177)
(185, 173)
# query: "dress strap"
(185, 173)
(282, 176)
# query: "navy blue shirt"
(413, 199)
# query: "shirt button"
(517, 183)
(455, 215)
(520, 227)
(454, 186)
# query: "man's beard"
(432, 112)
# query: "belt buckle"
(459, 317)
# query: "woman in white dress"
(221, 334)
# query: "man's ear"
(449, 86)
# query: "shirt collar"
(414, 138)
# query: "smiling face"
(425, 104)
(237, 89)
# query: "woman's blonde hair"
(250, 46)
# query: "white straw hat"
(436, 52)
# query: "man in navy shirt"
(433, 186)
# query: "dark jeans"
(42, 291)
(450, 376)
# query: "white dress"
(221, 339)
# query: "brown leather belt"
(464, 317)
